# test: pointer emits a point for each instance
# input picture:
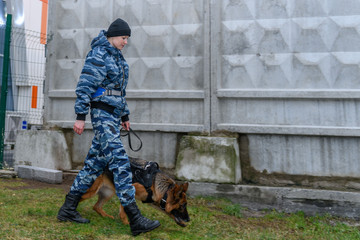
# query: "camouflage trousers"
(106, 150)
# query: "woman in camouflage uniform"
(101, 89)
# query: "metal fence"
(25, 81)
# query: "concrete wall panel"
(291, 112)
(301, 155)
(303, 48)
(165, 53)
(285, 72)
(156, 146)
(68, 13)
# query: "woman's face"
(118, 42)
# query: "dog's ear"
(185, 186)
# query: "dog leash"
(128, 133)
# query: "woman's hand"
(79, 126)
(126, 125)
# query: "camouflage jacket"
(104, 67)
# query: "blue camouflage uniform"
(104, 68)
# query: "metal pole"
(4, 85)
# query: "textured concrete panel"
(272, 9)
(309, 8)
(343, 8)
(167, 112)
(67, 12)
(312, 71)
(285, 45)
(298, 48)
(291, 112)
(243, 9)
(158, 147)
(68, 72)
(314, 156)
(98, 13)
(346, 71)
(165, 53)
(283, 67)
(63, 109)
(71, 44)
(310, 36)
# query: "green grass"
(31, 214)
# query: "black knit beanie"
(118, 28)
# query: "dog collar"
(163, 201)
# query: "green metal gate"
(4, 86)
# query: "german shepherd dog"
(162, 191)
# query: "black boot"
(138, 223)
(68, 210)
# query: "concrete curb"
(310, 201)
(40, 174)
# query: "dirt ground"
(68, 179)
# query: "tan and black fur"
(162, 185)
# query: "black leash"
(128, 133)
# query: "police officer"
(101, 89)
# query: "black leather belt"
(102, 106)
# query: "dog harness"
(145, 175)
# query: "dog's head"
(176, 204)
